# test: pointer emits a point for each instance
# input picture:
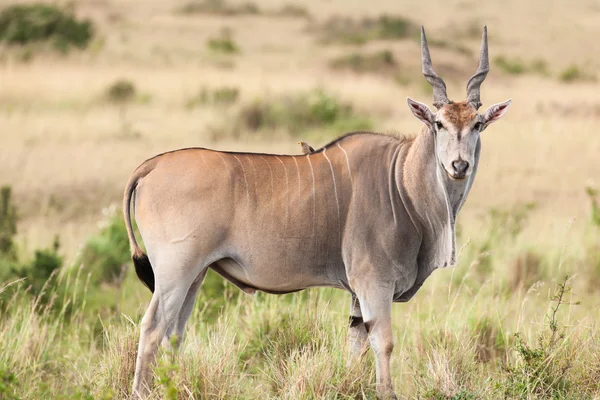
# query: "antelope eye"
(438, 125)
(478, 126)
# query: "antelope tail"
(143, 268)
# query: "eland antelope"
(369, 213)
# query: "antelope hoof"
(386, 393)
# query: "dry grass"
(63, 152)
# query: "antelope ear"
(495, 111)
(421, 111)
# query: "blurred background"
(89, 89)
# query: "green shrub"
(450, 45)
(573, 74)
(40, 269)
(541, 369)
(379, 62)
(292, 10)
(222, 96)
(31, 23)
(594, 208)
(8, 225)
(219, 7)
(8, 384)
(512, 67)
(36, 271)
(105, 253)
(223, 43)
(393, 27)
(350, 31)
(315, 110)
(121, 91)
(517, 66)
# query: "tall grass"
(452, 341)
(470, 333)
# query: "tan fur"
(460, 114)
(280, 223)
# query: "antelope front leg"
(376, 307)
(357, 333)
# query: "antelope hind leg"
(357, 333)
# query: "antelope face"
(456, 126)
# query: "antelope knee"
(386, 348)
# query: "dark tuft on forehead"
(459, 114)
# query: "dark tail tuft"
(143, 269)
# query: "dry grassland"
(66, 154)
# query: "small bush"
(450, 45)
(40, 269)
(517, 66)
(315, 110)
(541, 369)
(592, 194)
(379, 62)
(394, 27)
(8, 384)
(32, 23)
(120, 92)
(574, 74)
(512, 67)
(350, 31)
(223, 43)
(105, 253)
(222, 96)
(8, 225)
(219, 7)
(292, 10)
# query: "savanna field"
(90, 89)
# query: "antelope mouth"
(456, 177)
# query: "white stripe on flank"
(287, 195)
(271, 173)
(245, 179)
(298, 172)
(312, 172)
(337, 202)
(272, 193)
(254, 170)
(224, 161)
(347, 163)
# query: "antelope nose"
(460, 168)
